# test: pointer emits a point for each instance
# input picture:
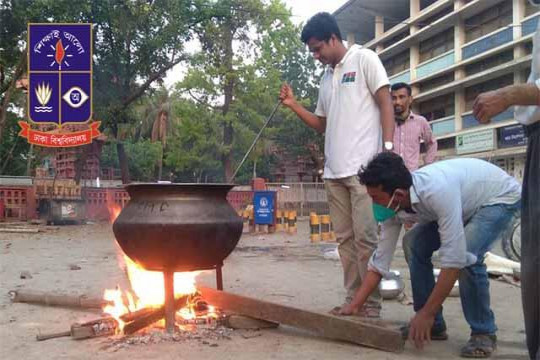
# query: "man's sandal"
(480, 346)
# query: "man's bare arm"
(384, 100)
(287, 97)
(492, 103)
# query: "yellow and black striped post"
(245, 219)
(279, 220)
(251, 221)
(292, 222)
(286, 220)
(314, 229)
(332, 233)
(325, 228)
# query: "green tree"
(248, 49)
(193, 150)
(142, 157)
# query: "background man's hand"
(286, 95)
(489, 104)
(420, 329)
(347, 309)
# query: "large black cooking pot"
(178, 227)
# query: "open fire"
(148, 292)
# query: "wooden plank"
(245, 322)
(326, 325)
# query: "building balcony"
(469, 121)
(435, 64)
(485, 43)
(404, 76)
(443, 126)
(443, 24)
(492, 73)
(528, 26)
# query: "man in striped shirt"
(411, 130)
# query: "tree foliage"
(247, 50)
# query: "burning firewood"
(91, 329)
(148, 318)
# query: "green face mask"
(383, 213)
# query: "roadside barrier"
(314, 228)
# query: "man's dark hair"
(401, 85)
(321, 26)
(386, 169)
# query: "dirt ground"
(278, 268)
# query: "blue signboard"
(513, 135)
(60, 73)
(263, 205)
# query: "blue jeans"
(481, 231)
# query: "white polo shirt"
(353, 123)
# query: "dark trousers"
(530, 241)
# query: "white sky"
(301, 10)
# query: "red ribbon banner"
(46, 139)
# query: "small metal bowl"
(390, 288)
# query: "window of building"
(425, 3)
(437, 45)
(395, 39)
(473, 91)
(528, 48)
(445, 144)
(438, 107)
(489, 62)
(488, 21)
(525, 73)
(397, 63)
(436, 82)
(529, 9)
(437, 16)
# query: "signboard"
(59, 84)
(513, 135)
(477, 141)
(263, 206)
(69, 210)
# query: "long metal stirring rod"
(255, 141)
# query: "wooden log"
(52, 299)
(19, 230)
(153, 316)
(91, 329)
(326, 325)
(95, 328)
(41, 337)
(134, 315)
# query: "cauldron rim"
(179, 186)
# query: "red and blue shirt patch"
(348, 77)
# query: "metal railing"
(302, 197)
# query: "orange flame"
(149, 291)
(113, 208)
